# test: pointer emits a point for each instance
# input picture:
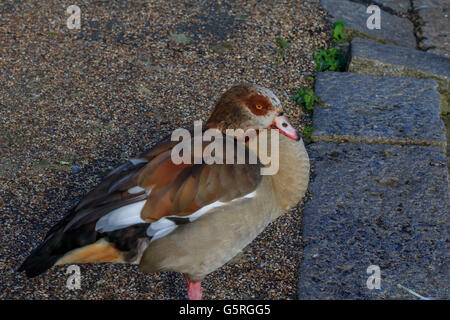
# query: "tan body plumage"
(199, 248)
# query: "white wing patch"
(129, 215)
(135, 190)
(164, 226)
(121, 217)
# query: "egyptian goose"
(188, 218)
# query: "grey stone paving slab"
(436, 28)
(394, 30)
(377, 109)
(370, 57)
(384, 205)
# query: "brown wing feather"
(184, 198)
(159, 172)
(176, 190)
(180, 190)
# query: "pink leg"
(194, 289)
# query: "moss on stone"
(338, 138)
(446, 119)
(352, 33)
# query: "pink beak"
(282, 124)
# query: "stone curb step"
(369, 57)
(382, 205)
(376, 109)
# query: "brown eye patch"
(258, 104)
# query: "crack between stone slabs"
(402, 142)
(416, 20)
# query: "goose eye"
(259, 106)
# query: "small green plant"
(282, 45)
(330, 59)
(338, 32)
(307, 97)
(306, 134)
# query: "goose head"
(249, 106)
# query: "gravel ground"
(75, 103)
